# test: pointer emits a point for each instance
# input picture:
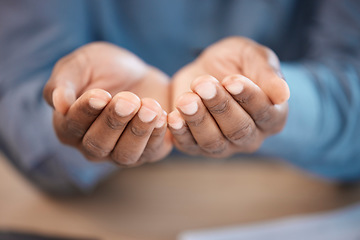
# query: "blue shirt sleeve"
(323, 127)
(32, 39)
(322, 131)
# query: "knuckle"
(241, 134)
(242, 101)
(149, 154)
(216, 146)
(158, 133)
(74, 128)
(139, 131)
(245, 99)
(221, 108)
(180, 132)
(124, 157)
(152, 150)
(189, 148)
(113, 123)
(94, 149)
(88, 112)
(262, 116)
(196, 121)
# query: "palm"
(127, 126)
(234, 93)
(236, 56)
(114, 70)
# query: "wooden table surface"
(159, 201)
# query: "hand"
(107, 104)
(228, 100)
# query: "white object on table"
(341, 224)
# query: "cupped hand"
(228, 100)
(110, 105)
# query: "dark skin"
(110, 105)
(229, 100)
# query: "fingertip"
(205, 86)
(150, 110)
(201, 79)
(47, 93)
(152, 104)
(101, 93)
(275, 88)
(99, 98)
(234, 84)
(286, 91)
(130, 96)
(279, 92)
(186, 98)
(62, 99)
(188, 103)
(175, 120)
(162, 120)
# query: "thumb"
(69, 76)
(239, 55)
(62, 98)
(274, 85)
(263, 67)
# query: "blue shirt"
(318, 43)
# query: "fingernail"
(146, 114)
(124, 108)
(97, 103)
(190, 108)
(206, 90)
(176, 123)
(235, 88)
(69, 95)
(161, 122)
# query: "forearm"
(322, 131)
(28, 140)
(33, 37)
(321, 134)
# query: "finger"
(68, 77)
(72, 127)
(202, 126)
(91, 64)
(234, 122)
(103, 134)
(158, 145)
(135, 137)
(236, 55)
(182, 137)
(62, 98)
(254, 101)
(262, 66)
